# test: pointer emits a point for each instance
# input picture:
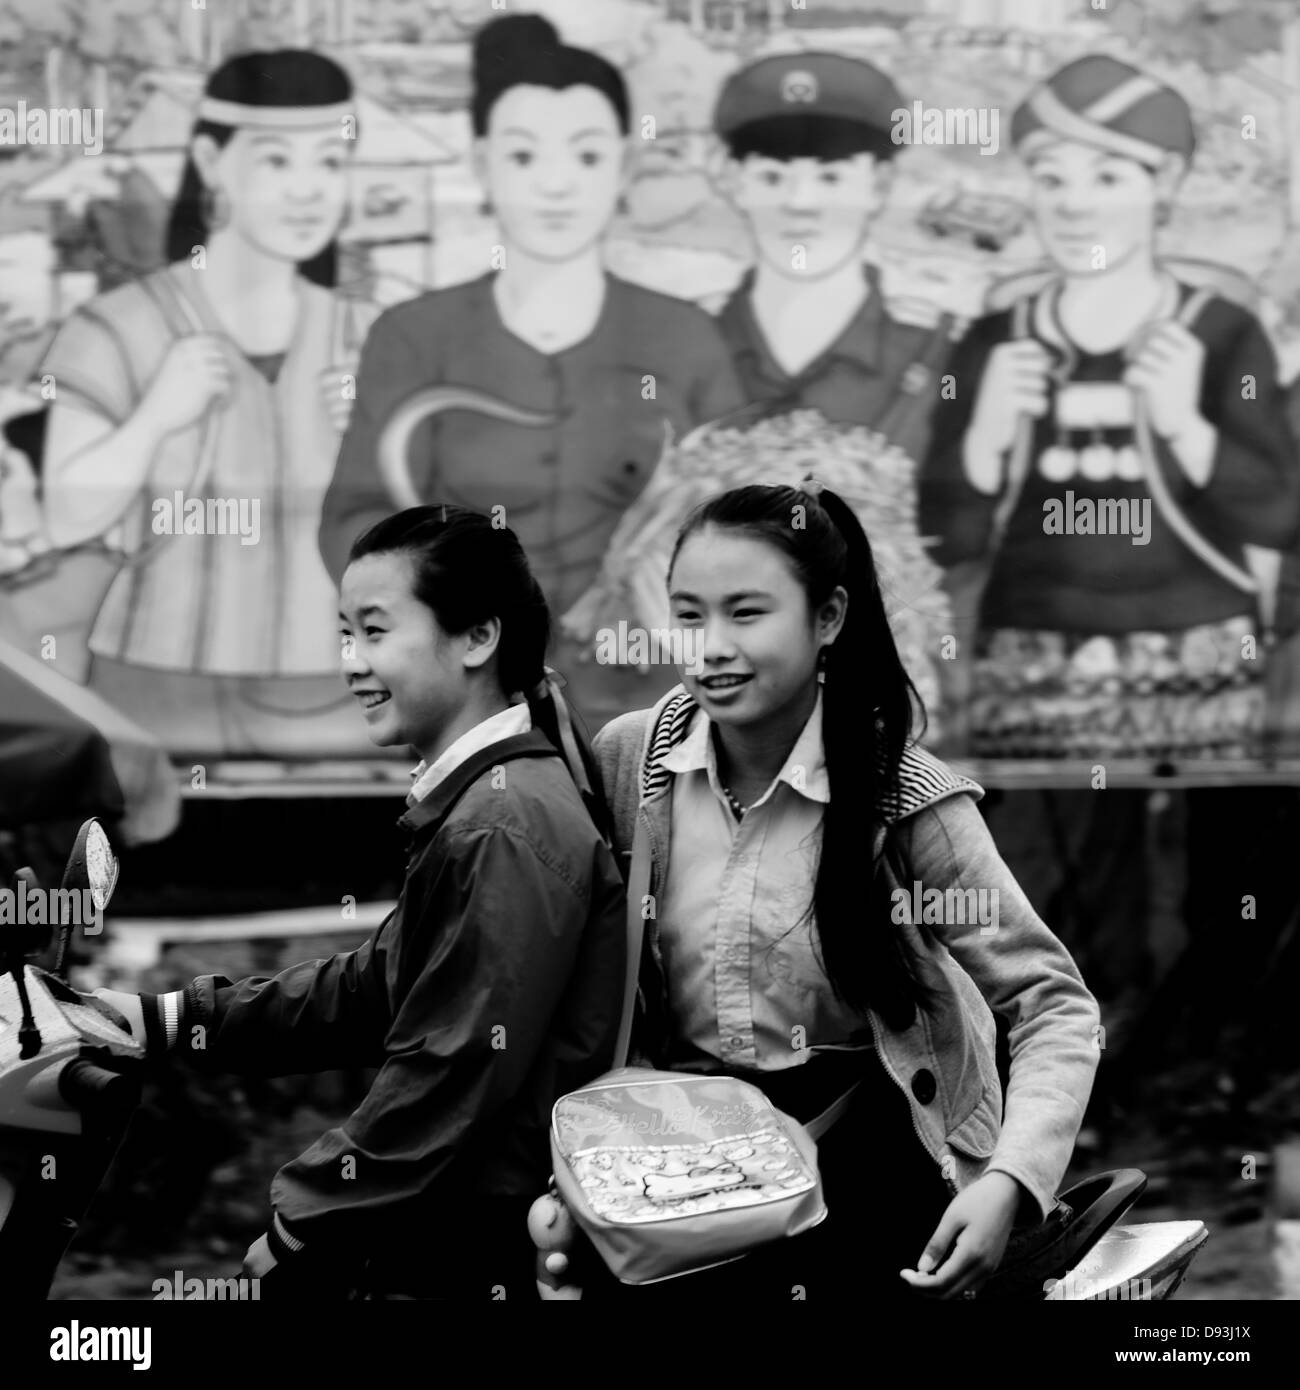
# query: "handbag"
(668, 1173)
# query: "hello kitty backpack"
(668, 1172)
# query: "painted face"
(1093, 210)
(808, 216)
(553, 164)
(404, 670)
(286, 189)
(759, 646)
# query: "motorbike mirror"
(92, 864)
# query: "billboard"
(1023, 287)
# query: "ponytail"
(869, 705)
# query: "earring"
(216, 208)
(821, 666)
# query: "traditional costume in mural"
(835, 384)
(1096, 494)
(564, 438)
(204, 459)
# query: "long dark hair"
(286, 77)
(866, 960)
(526, 49)
(467, 570)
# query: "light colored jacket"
(944, 1063)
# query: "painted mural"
(1021, 281)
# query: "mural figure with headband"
(1114, 476)
(197, 416)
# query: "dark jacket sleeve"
(391, 366)
(493, 938)
(311, 1017)
(951, 509)
(1252, 496)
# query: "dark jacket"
(493, 987)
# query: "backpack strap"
(662, 734)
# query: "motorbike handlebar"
(90, 1087)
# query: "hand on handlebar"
(551, 1226)
(121, 1009)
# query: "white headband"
(238, 113)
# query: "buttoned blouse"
(744, 978)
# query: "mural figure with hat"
(828, 372)
(1114, 393)
(214, 381)
(810, 163)
(548, 386)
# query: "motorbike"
(69, 1068)
(70, 1083)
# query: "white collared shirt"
(744, 980)
(515, 720)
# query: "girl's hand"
(259, 1260)
(551, 1227)
(127, 1007)
(968, 1243)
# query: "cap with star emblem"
(819, 104)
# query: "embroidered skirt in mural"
(1196, 693)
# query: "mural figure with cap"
(810, 164)
(1114, 476)
(197, 414)
(547, 386)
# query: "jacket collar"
(923, 778)
(696, 753)
(435, 806)
(514, 719)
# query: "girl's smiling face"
(1086, 198)
(554, 164)
(760, 643)
(407, 674)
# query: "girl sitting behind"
(777, 956)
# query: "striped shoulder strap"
(923, 779)
(669, 730)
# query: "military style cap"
(808, 84)
(1101, 101)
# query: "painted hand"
(1167, 373)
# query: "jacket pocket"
(977, 1135)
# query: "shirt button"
(735, 1044)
